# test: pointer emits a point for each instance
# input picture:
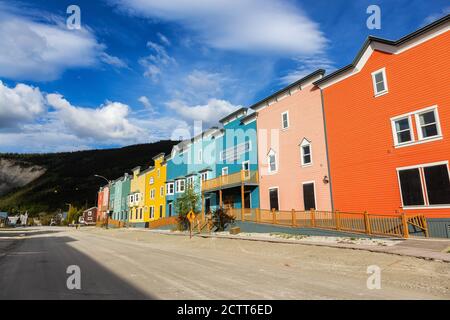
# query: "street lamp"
(109, 183)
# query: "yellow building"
(155, 197)
(137, 215)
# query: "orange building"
(387, 121)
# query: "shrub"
(221, 218)
(186, 202)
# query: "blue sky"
(142, 70)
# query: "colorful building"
(176, 166)
(103, 203)
(292, 156)
(387, 118)
(138, 216)
(155, 181)
(235, 185)
(120, 200)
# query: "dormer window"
(379, 82)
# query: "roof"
(205, 169)
(233, 114)
(396, 43)
(249, 117)
(316, 73)
(159, 155)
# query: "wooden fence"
(395, 225)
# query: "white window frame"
(190, 181)
(178, 184)
(269, 169)
(394, 130)
(419, 127)
(282, 120)
(136, 197)
(152, 194)
(416, 133)
(152, 180)
(169, 186)
(278, 196)
(223, 170)
(423, 185)
(305, 143)
(315, 195)
(386, 90)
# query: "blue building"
(176, 172)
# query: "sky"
(137, 71)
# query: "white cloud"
(154, 62)
(145, 102)
(107, 122)
(19, 104)
(41, 48)
(243, 25)
(208, 113)
(164, 39)
(112, 60)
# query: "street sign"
(191, 216)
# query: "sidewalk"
(429, 249)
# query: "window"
(427, 127)
(427, 124)
(379, 82)
(152, 212)
(306, 152)
(190, 181)
(309, 197)
(285, 120)
(170, 209)
(161, 191)
(273, 197)
(152, 180)
(131, 198)
(200, 155)
(233, 153)
(140, 214)
(402, 130)
(161, 211)
(158, 172)
(136, 197)
(152, 194)
(425, 185)
(225, 171)
(180, 184)
(246, 168)
(204, 176)
(272, 161)
(169, 188)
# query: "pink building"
(103, 203)
(292, 156)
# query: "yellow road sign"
(191, 216)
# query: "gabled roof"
(159, 155)
(249, 117)
(371, 39)
(318, 72)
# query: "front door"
(247, 200)
(309, 197)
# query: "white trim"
(282, 120)
(386, 90)
(423, 185)
(374, 45)
(417, 130)
(246, 162)
(278, 196)
(226, 170)
(269, 169)
(168, 184)
(433, 108)
(305, 143)
(314, 189)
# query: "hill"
(47, 182)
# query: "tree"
(73, 214)
(221, 219)
(188, 201)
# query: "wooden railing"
(243, 176)
(395, 225)
(162, 222)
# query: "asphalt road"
(134, 264)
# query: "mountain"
(47, 182)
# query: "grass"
(288, 235)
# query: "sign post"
(191, 217)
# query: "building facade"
(138, 216)
(103, 203)
(155, 180)
(121, 193)
(176, 166)
(292, 156)
(388, 126)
